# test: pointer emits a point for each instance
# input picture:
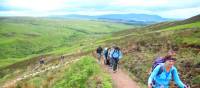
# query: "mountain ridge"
(131, 18)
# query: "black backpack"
(99, 50)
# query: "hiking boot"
(115, 71)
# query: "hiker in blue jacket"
(158, 60)
(163, 73)
(115, 55)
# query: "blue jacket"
(164, 78)
(111, 52)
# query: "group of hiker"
(162, 72)
(111, 56)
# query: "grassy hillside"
(85, 73)
(25, 37)
(142, 45)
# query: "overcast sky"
(164, 8)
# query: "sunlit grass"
(25, 37)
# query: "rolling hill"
(142, 45)
(139, 45)
(25, 37)
(24, 40)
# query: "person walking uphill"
(41, 61)
(115, 55)
(163, 73)
(160, 60)
(99, 53)
(106, 57)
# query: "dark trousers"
(115, 63)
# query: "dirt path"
(120, 78)
(36, 72)
(9, 84)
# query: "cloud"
(181, 13)
(139, 3)
(157, 3)
(165, 8)
(36, 5)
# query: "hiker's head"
(170, 61)
(171, 53)
(117, 48)
(105, 48)
(113, 46)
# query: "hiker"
(110, 56)
(115, 56)
(99, 53)
(41, 61)
(163, 74)
(62, 59)
(106, 57)
(160, 60)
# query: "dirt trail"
(34, 73)
(25, 76)
(120, 78)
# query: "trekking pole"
(117, 66)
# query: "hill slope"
(25, 37)
(142, 45)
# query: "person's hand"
(149, 86)
(186, 86)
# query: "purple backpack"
(158, 61)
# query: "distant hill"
(140, 19)
(25, 36)
(163, 25)
(192, 19)
(135, 17)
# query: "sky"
(165, 8)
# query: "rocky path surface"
(120, 78)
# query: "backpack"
(106, 52)
(99, 50)
(156, 62)
(115, 54)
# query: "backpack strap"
(160, 70)
(172, 74)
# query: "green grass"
(185, 26)
(191, 40)
(86, 73)
(182, 34)
(24, 37)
